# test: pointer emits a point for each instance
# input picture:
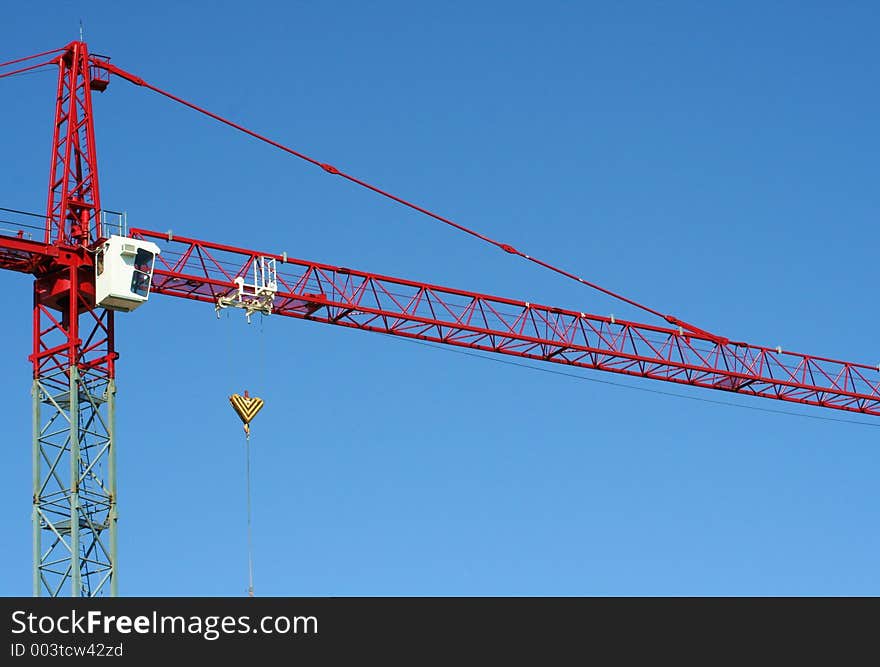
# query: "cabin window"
(143, 267)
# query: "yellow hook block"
(246, 407)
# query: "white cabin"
(124, 272)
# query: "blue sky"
(715, 162)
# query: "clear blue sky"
(715, 162)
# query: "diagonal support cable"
(330, 169)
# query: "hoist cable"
(250, 538)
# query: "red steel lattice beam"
(72, 211)
(205, 271)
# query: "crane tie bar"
(330, 169)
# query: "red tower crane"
(84, 272)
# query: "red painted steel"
(26, 256)
(69, 329)
(205, 271)
(72, 211)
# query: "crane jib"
(342, 296)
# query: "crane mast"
(73, 356)
(73, 360)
